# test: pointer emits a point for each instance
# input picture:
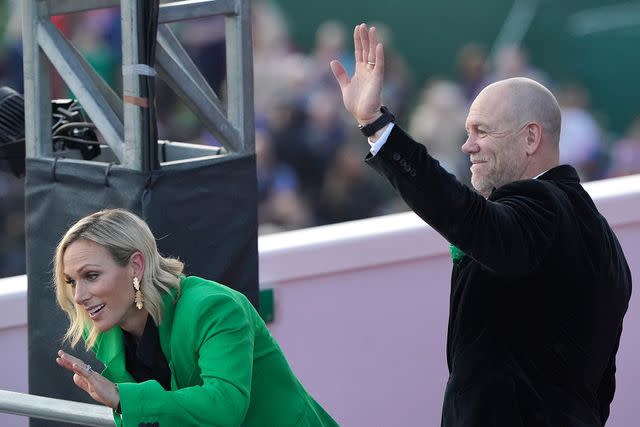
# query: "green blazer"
(226, 368)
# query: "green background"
(430, 33)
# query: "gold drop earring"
(138, 297)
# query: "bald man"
(539, 284)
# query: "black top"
(536, 303)
(145, 360)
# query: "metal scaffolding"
(184, 196)
(120, 123)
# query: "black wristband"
(386, 118)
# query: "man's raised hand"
(362, 93)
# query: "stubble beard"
(481, 185)
(489, 182)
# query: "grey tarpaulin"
(202, 211)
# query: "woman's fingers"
(66, 357)
(84, 370)
(65, 360)
(97, 386)
(82, 383)
(73, 363)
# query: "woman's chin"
(102, 325)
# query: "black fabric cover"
(202, 211)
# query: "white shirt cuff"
(376, 146)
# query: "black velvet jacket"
(536, 303)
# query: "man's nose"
(470, 145)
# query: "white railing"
(55, 409)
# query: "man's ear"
(534, 137)
(136, 262)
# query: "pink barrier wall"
(361, 313)
(13, 342)
(362, 308)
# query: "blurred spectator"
(11, 47)
(348, 192)
(397, 88)
(438, 122)
(279, 71)
(330, 44)
(309, 169)
(472, 69)
(581, 139)
(625, 155)
(324, 134)
(12, 245)
(279, 204)
(96, 35)
(513, 61)
(287, 120)
(204, 40)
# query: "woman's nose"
(80, 295)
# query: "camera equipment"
(71, 130)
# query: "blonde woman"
(178, 351)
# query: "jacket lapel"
(109, 347)
(110, 351)
(164, 331)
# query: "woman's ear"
(136, 262)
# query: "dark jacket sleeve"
(508, 234)
(607, 385)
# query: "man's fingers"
(357, 44)
(364, 39)
(373, 43)
(379, 68)
(340, 73)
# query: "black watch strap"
(386, 118)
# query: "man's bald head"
(514, 130)
(524, 100)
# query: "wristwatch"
(373, 127)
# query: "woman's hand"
(99, 388)
(361, 93)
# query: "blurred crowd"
(309, 151)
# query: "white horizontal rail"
(55, 409)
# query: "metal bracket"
(120, 124)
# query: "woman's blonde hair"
(121, 233)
